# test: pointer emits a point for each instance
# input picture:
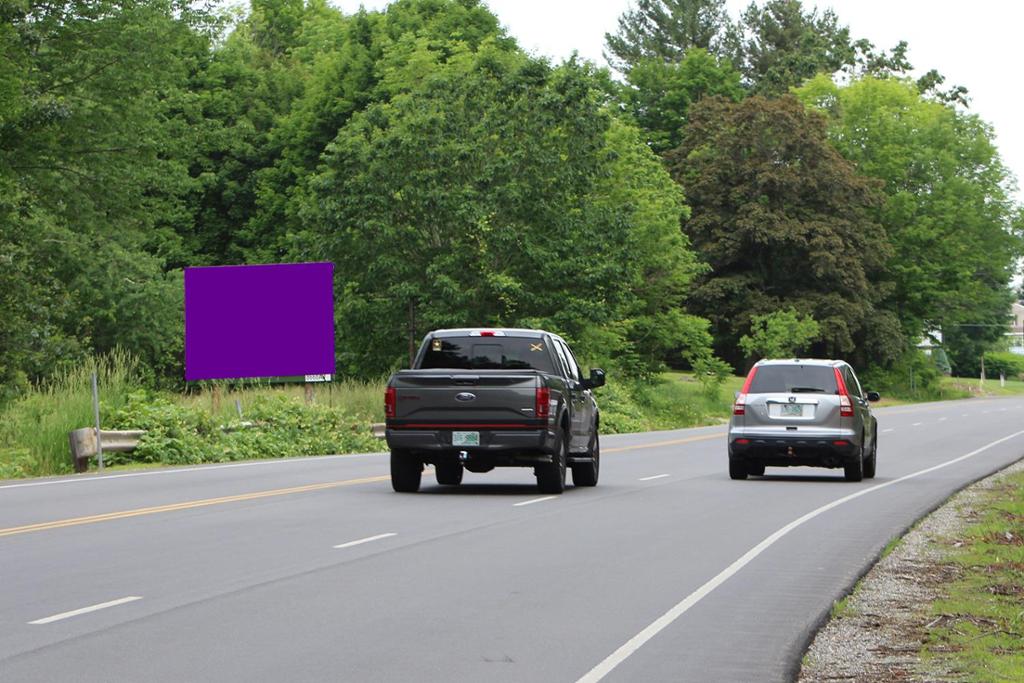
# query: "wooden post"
(412, 332)
(309, 393)
(215, 400)
(96, 412)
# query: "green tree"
(955, 232)
(497, 191)
(783, 221)
(664, 30)
(659, 93)
(780, 334)
(783, 45)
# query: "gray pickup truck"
(477, 399)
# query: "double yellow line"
(188, 505)
(206, 502)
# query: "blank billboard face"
(259, 321)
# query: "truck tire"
(551, 476)
(586, 473)
(448, 473)
(406, 472)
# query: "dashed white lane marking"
(656, 476)
(666, 619)
(943, 419)
(891, 429)
(366, 540)
(535, 500)
(917, 424)
(963, 415)
(86, 610)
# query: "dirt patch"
(879, 634)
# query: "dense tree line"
(653, 214)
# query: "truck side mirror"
(596, 378)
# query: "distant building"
(1016, 334)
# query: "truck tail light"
(390, 401)
(542, 408)
(739, 407)
(845, 404)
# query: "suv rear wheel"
(869, 464)
(854, 471)
(737, 469)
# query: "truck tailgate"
(483, 398)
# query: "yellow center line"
(206, 502)
(658, 444)
(188, 505)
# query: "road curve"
(312, 569)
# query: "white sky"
(975, 44)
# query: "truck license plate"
(465, 438)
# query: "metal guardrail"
(83, 443)
(378, 429)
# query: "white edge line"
(534, 500)
(180, 470)
(366, 540)
(666, 619)
(656, 476)
(86, 610)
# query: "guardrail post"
(96, 413)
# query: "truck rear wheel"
(585, 474)
(406, 471)
(448, 473)
(551, 476)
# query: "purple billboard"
(273, 320)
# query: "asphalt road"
(313, 569)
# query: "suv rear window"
(487, 353)
(792, 379)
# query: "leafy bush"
(275, 426)
(1010, 365)
(913, 376)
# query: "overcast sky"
(975, 44)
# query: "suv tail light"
(845, 404)
(389, 402)
(739, 407)
(542, 407)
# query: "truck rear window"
(487, 353)
(794, 379)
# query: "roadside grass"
(34, 429)
(978, 627)
(204, 424)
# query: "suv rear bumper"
(785, 451)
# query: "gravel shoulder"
(876, 633)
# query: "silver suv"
(803, 412)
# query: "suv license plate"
(465, 438)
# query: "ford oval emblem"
(465, 396)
